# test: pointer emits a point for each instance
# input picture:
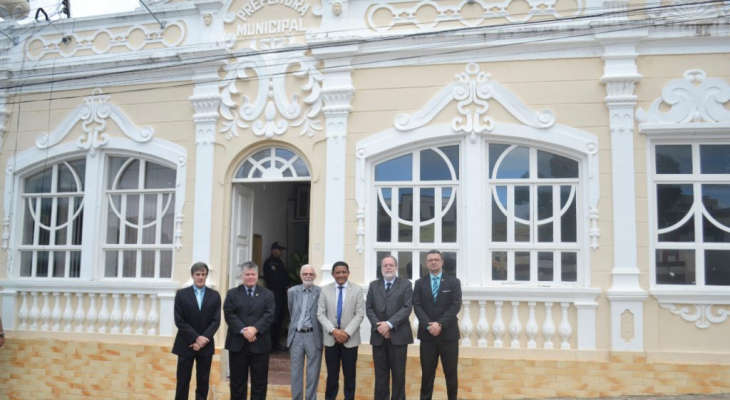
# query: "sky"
(85, 8)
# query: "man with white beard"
(305, 335)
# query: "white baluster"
(35, 312)
(548, 327)
(46, 312)
(141, 317)
(128, 317)
(154, 317)
(482, 324)
(24, 311)
(103, 313)
(80, 314)
(466, 326)
(92, 315)
(498, 327)
(515, 326)
(414, 330)
(531, 329)
(116, 317)
(56, 315)
(565, 329)
(68, 313)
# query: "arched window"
(273, 164)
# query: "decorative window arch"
(95, 152)
(273, 164)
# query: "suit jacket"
(395, 307)
(192, 322)
(294, 296)
(240, 312)
(443, 311)
(352, 314)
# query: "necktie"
(339, 306)
(435, 287)
(387, 287)
(250, 293)
(199, 296)
(300, 323)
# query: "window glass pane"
(129, 177)
(28, 222)
(522, 211)
(168, 221)
(515, 165)
(569, 267)
(717, 267)
(284, 153)
(674, 159)
(150, 216)
(716, 199)
(44, 235)
(405, 212)
(26, 263)
(499, 219)
(129, 267)
(159, 177)
(673, 204)
(495, 151)
(569, 219)
(300, 167)
(40, 182)
(78, 224)
(75, 267)
(260, 155)
(397, 169)
(544, 211)
(522, 266)
(59, 264)
(452, 153)
(148, 264)
(715, 159)
(41, 270)
(675, 267)
(428, 213)
(544, 266)
(244, 171)
(115, 164)
(67, 181)
(551, 165)
(111, 261)
(405, 264)
(61, 219)
(383, 234)
(448, 223)
(112, 221)
(434, 167)
(499, 265)
(165, 263)
(449, 263)
(132, 219)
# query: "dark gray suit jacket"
(240, 311)
(295, 310)
(395, 307)
(192, 322)
(443, 311)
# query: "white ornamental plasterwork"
(703, 315)
(474, 88)
(694, 99)
(691, 10)
(46, 45)
(93, 115)
(272, 111)
(409, 15)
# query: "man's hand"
(195, 347)
(434, 328)
(249, 333)
(384, 329)
(201, 341)
(340, 336)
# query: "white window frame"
(33, 160)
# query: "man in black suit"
(437, 301)
(388, 307)
(197, 316)
(249, 312)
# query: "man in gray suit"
(341, 310)
(305, 335)
(388, 307)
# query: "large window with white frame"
(139, 199)
(690, 191)
(53, 213)
(417, 196)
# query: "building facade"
(570, 158)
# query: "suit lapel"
(314, 292)
(381, 288)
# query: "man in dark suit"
(437, 301)
(305, 335)
(277, 280)
(197, 316)
(388, 307)
(249, 312)
(341, 309)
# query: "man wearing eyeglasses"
(304, 338)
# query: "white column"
(337, 91)
(626, 295)
(205, 100)
(10, 298)
(167, 306)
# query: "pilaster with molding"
(626, 295)
(337, 91)
(205, 101)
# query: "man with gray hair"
(305, 335)
(249, 312)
